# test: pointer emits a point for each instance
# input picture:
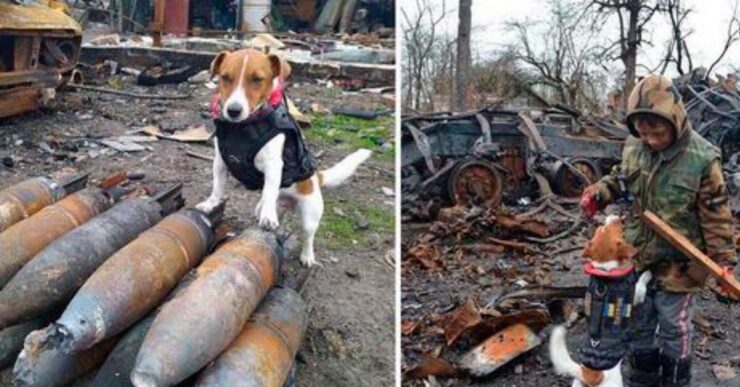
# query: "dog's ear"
(280, 68)
(626, 251)
(216, 64)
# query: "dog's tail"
(561, 360)
(337, 174)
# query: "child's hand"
(728, 272)
(589, 201)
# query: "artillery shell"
(116, 371)
(41, 366)
(228, 287)
(263, 353)
(54, 275)
(27, 198)
(134, 280)
(11, 339)
(23, 240)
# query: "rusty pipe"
(41, 366)
(263, 353)
(28, 197)
(54, 275)
(228, 287)
(25, 239)
(135, 279)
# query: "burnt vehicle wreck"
(495, 156)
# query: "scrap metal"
(228, 287)
(29, 197)
(54, 275)
(263, 353)
(11, 339)
(40, 46)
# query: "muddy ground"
(426, 295)
(350, 337)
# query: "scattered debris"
(194, 134)
(431, 365)
(499, 349)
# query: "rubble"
(499, 349)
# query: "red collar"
(614, 273)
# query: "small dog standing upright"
(608, 306)
(260, 144)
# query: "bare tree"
(463, 53)
(633, 16)
(678, 51)
(733, 35)
(566, 59)
(419, 37)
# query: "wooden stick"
(198, 155)
(685, 246)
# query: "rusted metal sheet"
(29, 197)
(54, 275)
(22, 241)
(263, 353)
(11, 339)
(34, 17)
(228, 287)
(135, 279)
(40, 366)
(499, 349)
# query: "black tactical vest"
(239, 143)
(608, 306)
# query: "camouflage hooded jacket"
(682, 184)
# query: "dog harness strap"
(239, 143)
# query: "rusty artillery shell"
(11, 338)
(22, 241)
(227, 287)
(54, 275)
(41, 366)
(135, 279)
(262, 355)
(28, 197)
(116, 371)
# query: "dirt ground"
(426, 294)
(350, 337)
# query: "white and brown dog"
(608, 254)
(248, 80)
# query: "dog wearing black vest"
(613, 290)
(260, 144)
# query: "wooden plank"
(687, 248)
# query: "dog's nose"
(233, 110)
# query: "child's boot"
(644, 369)
(675, 372)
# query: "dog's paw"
(207, 205)
(268, 217)
(640, 293)
(309, 260)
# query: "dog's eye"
(257, 79)
(226, 79)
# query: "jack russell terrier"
(612, 292)
(261, 145)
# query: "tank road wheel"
(569, 184)
(475, 182)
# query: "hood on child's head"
(656, 95)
